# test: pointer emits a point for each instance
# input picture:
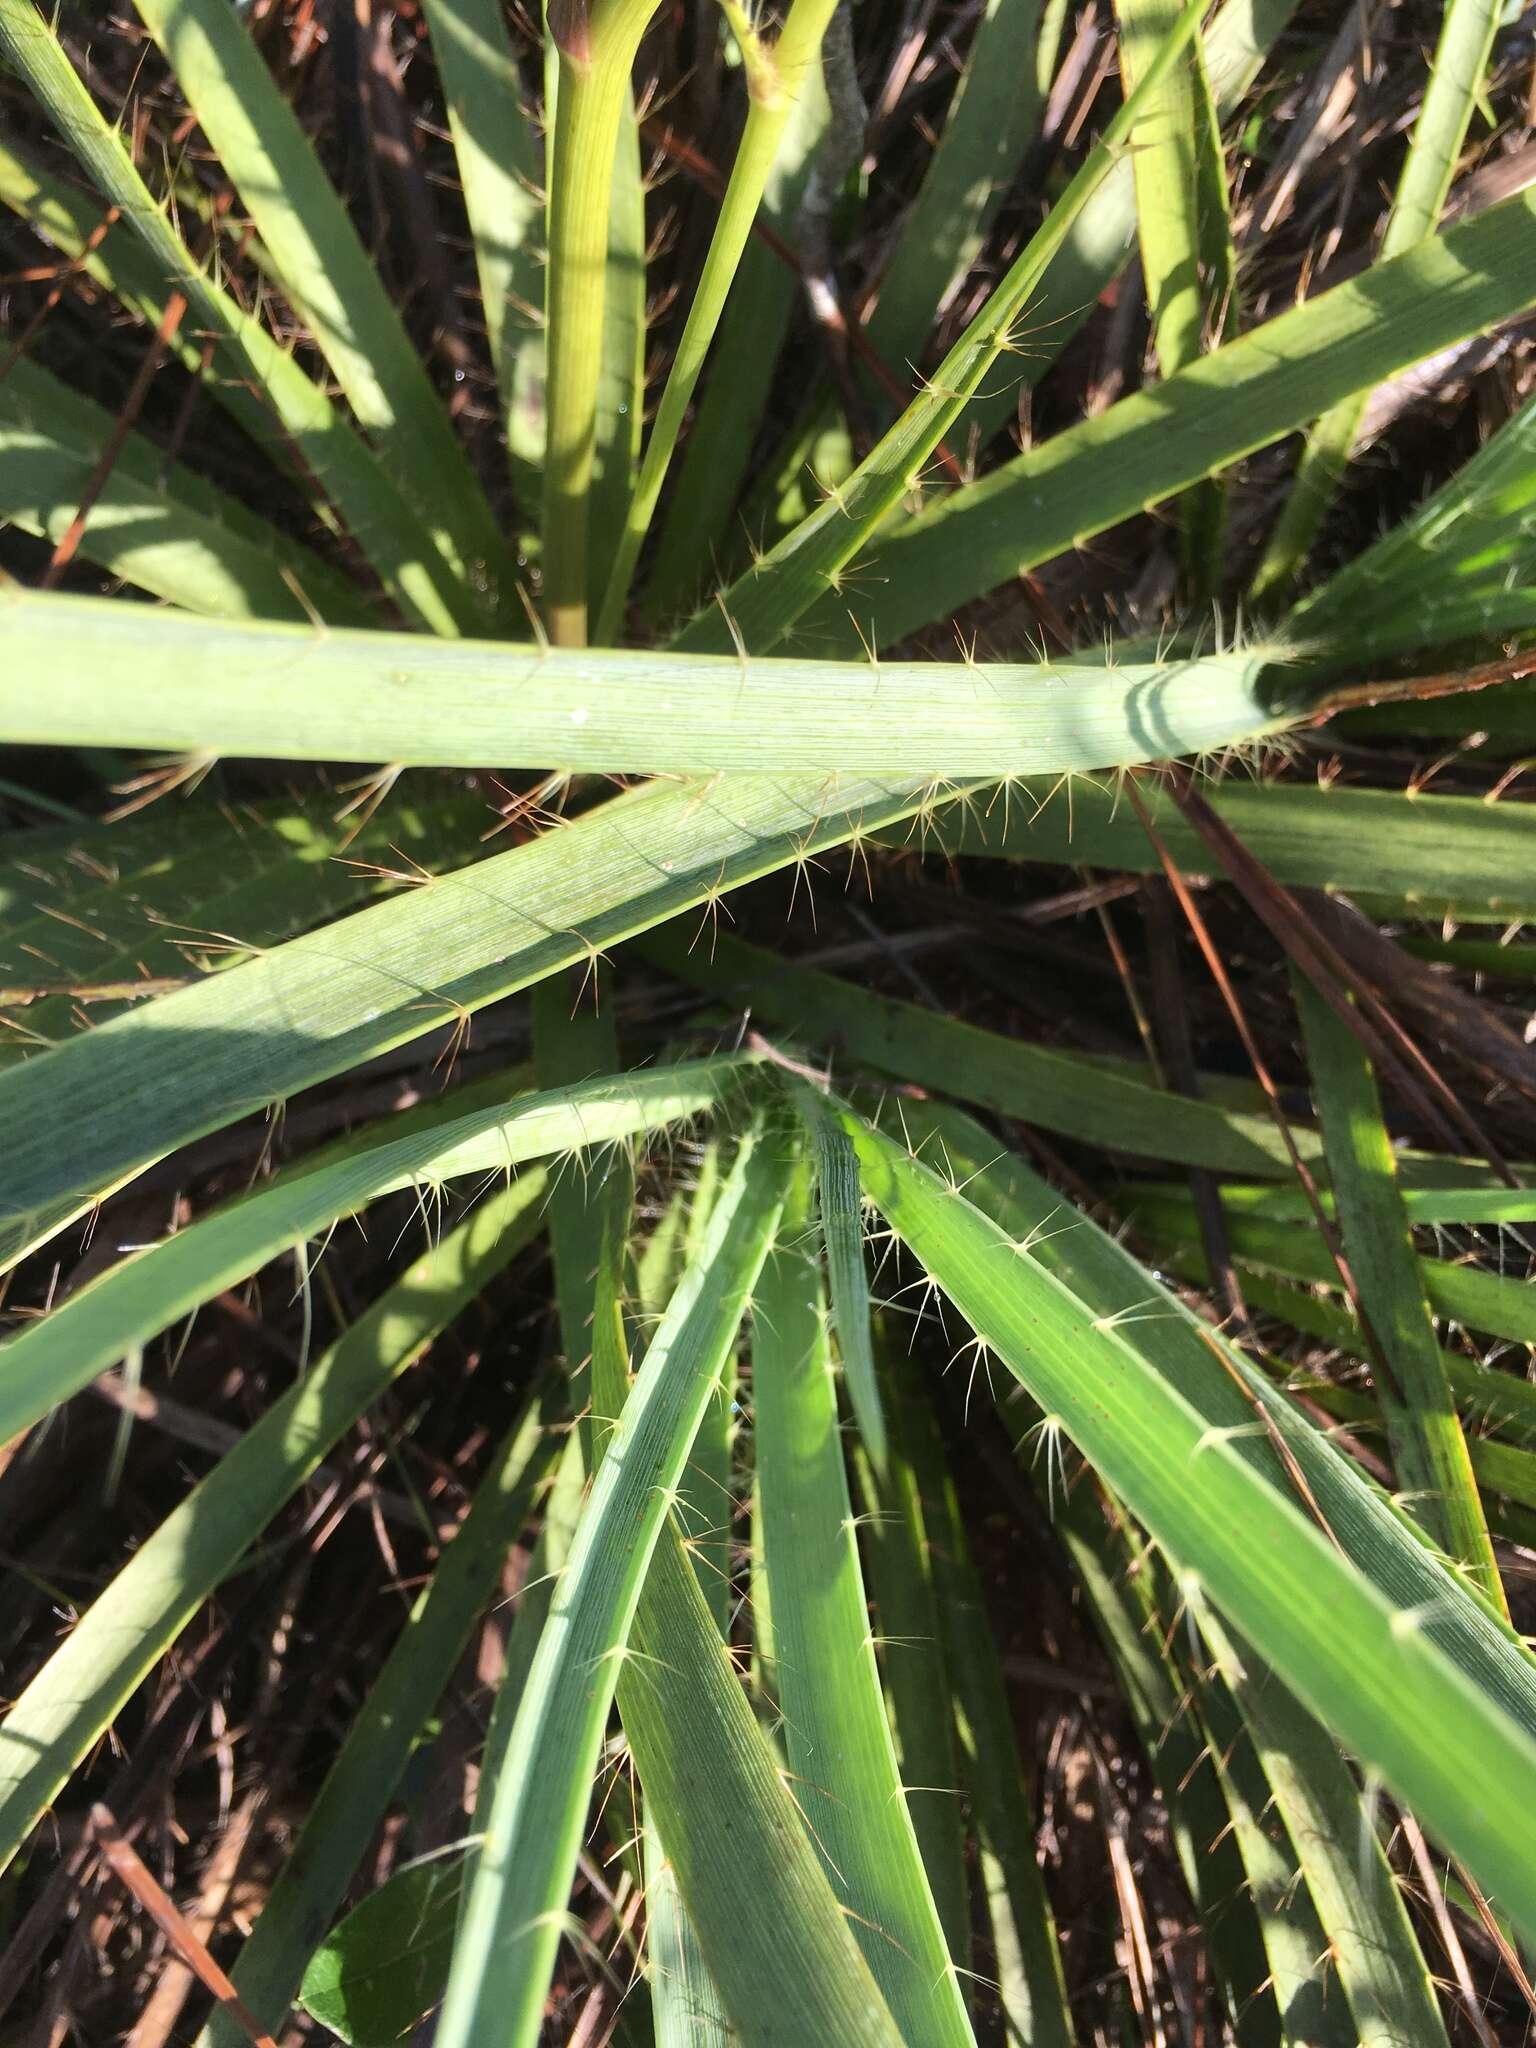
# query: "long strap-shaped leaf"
(512, 1920)
(181, 538)
(330, 277)
(363, 1779)
(1184, 231)
(1460, 564)
(384, 1965)
(1368, 1667)
(263, 873)
(1054, 1089)
(1307, 1991)
(1031, 1986)
(53, 1358)
(1235, 1401)
(77, 1120)
(1412, 856)
(300, 695)
(720, 1823)
(840, 1208)
(1487, 1398)
(590, 1232)
(1498, 1304)
(1234, 47)
(836, 1737)
(1371, 1942)
(496, 148)
(107, 1104)
(96, 1110)
(762, 606)
(771, 1927)
(775, 72)
(1454, 85)
(128, 1628)
(1423, 1428)
(70, 217)
(1190, 426)
(394, 534)
(717, 455)
(919, 1693)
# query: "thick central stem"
(593, 84)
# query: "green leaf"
(141, 534)
(293, 694)
(685, 2000)
(993, 118)
(837, 1741)
(384, 1967)
(574, 1039)
(1423, 1427)
(840, 1208)
(511, 1925)
(361, 1782)
(1159, 441)
(331, 279)
(1027, 1963)
(1371, 1668)
(392, 533)
(1235, 1399)
(100, 1107)
(761, 1941)
(589, 58)
(1460, 565)
(696, 524)
(122, 263)
(1240, 36)
(774, 1936)
(775, 75)
(1184, 231)
(496, 149)
(181, 538)
(1371, 1943)
(164, 899)
(1455, 81)
(123, 1634)
(50, 1359)
(919, 1694)
(1059, 1091)
(620, 407)
(1487, 1398)
(1313, 2013)
(761, 607)
(1499, 1304)
(1430, 857)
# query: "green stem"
(775, 75)
(594, 78)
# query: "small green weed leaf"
(382, 1969)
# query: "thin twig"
(129, 1868)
